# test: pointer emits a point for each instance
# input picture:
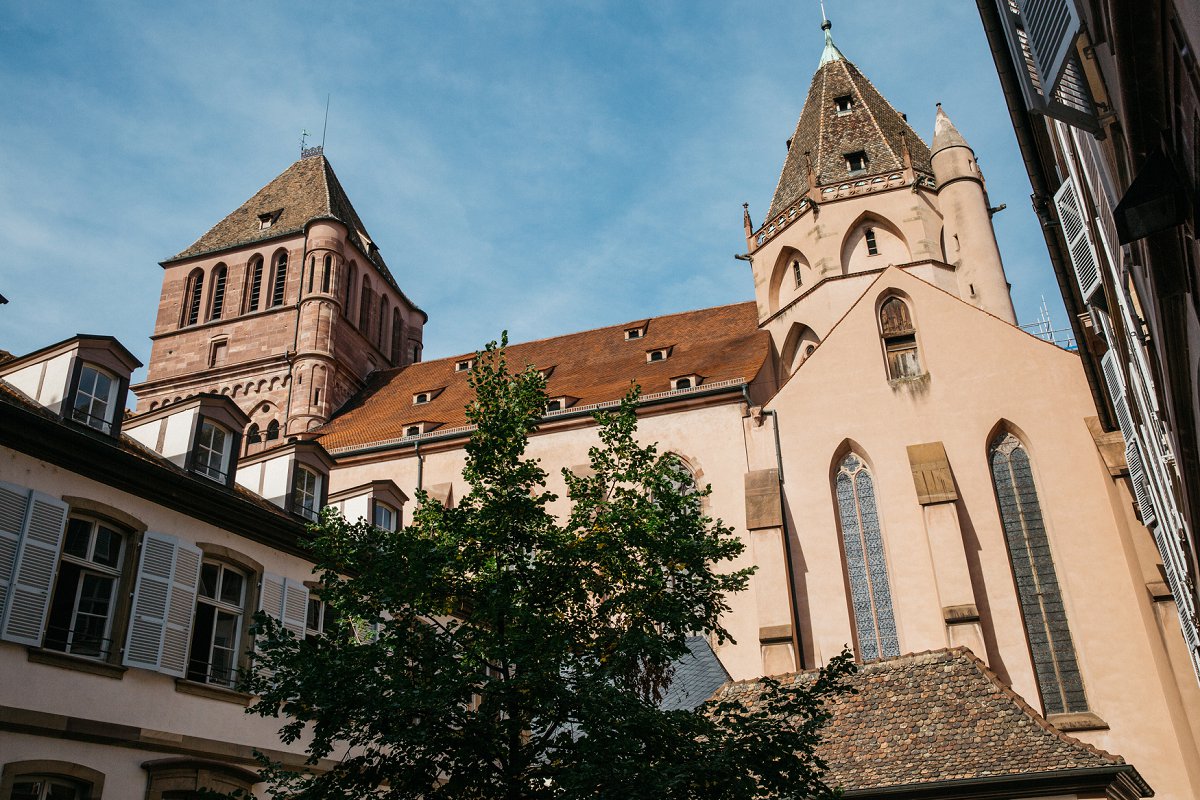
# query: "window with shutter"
(28, 596)
(85, 594)
(163, 603)
(13, 502)
(1079, 243)
(217, 629)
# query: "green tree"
(516, 654)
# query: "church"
(913, 475)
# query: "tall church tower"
(285, 306)
(860, 191)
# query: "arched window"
(253, 434)
(381, 322)
(217, 305)
(1037, 583)
(326, 270)
(191, 309)
(312, 272)
(397, 335)
(364, 307)
(279, 281)
(348, 290)
(899, 339)
(272, 430)
(256, 274)
(866, 564)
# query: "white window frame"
(380, 506)
(86, 416)
(306, 503)
(238, 612)
(204, 453)
(87, 565)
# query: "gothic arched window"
(312, 272)
(253, 435)
(364, 307)
(326, 270)
(191, 309)
(899, 339)
(217, 305)
(1037, 583)
(256, 274)
(397, 334)
(279, 281)
(272, 430)
(866, 564)
(348, 291)
(380, 325)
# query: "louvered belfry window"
(195, 288)
(1037, 583)
(256, 273)
(866, 563)
(280, 280)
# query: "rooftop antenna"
(326, 127)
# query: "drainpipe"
(420, 463)
(784, 530)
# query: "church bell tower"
(860, 191)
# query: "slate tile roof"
(872, 126)
(722, 343)
(305, 191)
(697, 675)
(935, 716)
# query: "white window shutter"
(164, 602)
(295, 607)
(271, 599)
(14, 501)
(33, 572)
(182, 610)
(1079, 243)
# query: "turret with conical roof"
(285, 305)
(860, 190)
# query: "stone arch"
(692, 465)
(890, 245)
(784, 286)
(800, 342)
(274, 384)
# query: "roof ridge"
(646, 320)
(1033, 713)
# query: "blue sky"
(538, 166)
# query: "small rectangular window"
(306, 493)
(412, 430)
(218, 353)
(843, 104)
(95, 398)
(872, 245)
(633, 333)
(856, 162)
(464, 365)
(385, 516)
(211, 455)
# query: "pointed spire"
(746, 220)
(945, 134)
(830, 53)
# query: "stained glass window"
(866, 564)
(1037, 583)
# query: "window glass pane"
(866, 563)
(61, 791)
(92, 398)
(79, 535)
(88, 634)
(209, 574)
(313, 620)
(224, 648)
(202, 633)
(231, 587)
(27, 789)
(383, 517)
(1038, 590)
(107, 551)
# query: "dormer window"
(464, 365)
(634, 333)
(412, 430)
(384, 516)
(661, 354)
(843, 104)
(420, 398)
(265, 221)
(856, 162)
(95, 398)
(306, 492)
(214, 446)
(559, 403)
(685, 382)
(545, 372)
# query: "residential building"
(1105, 101)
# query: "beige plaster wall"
(982, 372)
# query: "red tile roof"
(719, 344)
(933, 717)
